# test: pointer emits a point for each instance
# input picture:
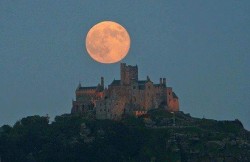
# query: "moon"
(107, 42)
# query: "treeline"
(73, 138)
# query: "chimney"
(160, 81)
(148, 79)
(102, 81)
(164, 81)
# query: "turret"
(79, 86)
(164, 81)
(148, 79)
(102, 82)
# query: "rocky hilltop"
(157, 136)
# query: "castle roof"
(174, 95)
(87, 88)
(142, 82)
(159, 85)
(116, 83)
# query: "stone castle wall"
(128, 95)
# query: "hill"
(157, 136)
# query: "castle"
(125, 96)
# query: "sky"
(201, 47)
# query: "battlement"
(128, 73)
(125, 96)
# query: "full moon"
(107, 42)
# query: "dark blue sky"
(201, 47)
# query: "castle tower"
(128, 73)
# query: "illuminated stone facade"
(126, 96)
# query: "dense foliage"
(75, 138)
